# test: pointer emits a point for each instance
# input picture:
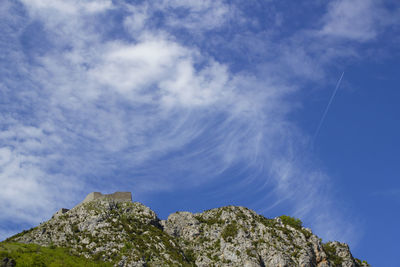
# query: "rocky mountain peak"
(127, 233)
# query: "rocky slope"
(130, 234)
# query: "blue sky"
(192, 105)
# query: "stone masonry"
(118, 196)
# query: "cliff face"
(130, 234)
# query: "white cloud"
(99, 106)
(28, 190)
(359, 20)
(136, 21)
(129, 101)
(80, 118)
(197, 15)
(73, 7)
(296, 179)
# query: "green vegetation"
(190, 255)
(75, 228)
(285, 231)
(142, 238)
(210, 221)
(35, 255)
(330, 251)
(306, 233)
(132, 232)
(230, 231)
(294, 222)
(295, 254)
(250, 253)
(217, 245)
(24, 232)
(265, 221)
(361, 262)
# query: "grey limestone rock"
(130, 234)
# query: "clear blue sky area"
(192, 105)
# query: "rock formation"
(130, 234)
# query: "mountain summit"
(113, 229)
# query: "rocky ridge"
(131, 234)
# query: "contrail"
(327, 108)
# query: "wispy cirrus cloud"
(115, 98)
(195, 15)
(110, 104)
(357, 20)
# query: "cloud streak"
(136, 96)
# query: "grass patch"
(35, 255)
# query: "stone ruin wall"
(118, 196)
